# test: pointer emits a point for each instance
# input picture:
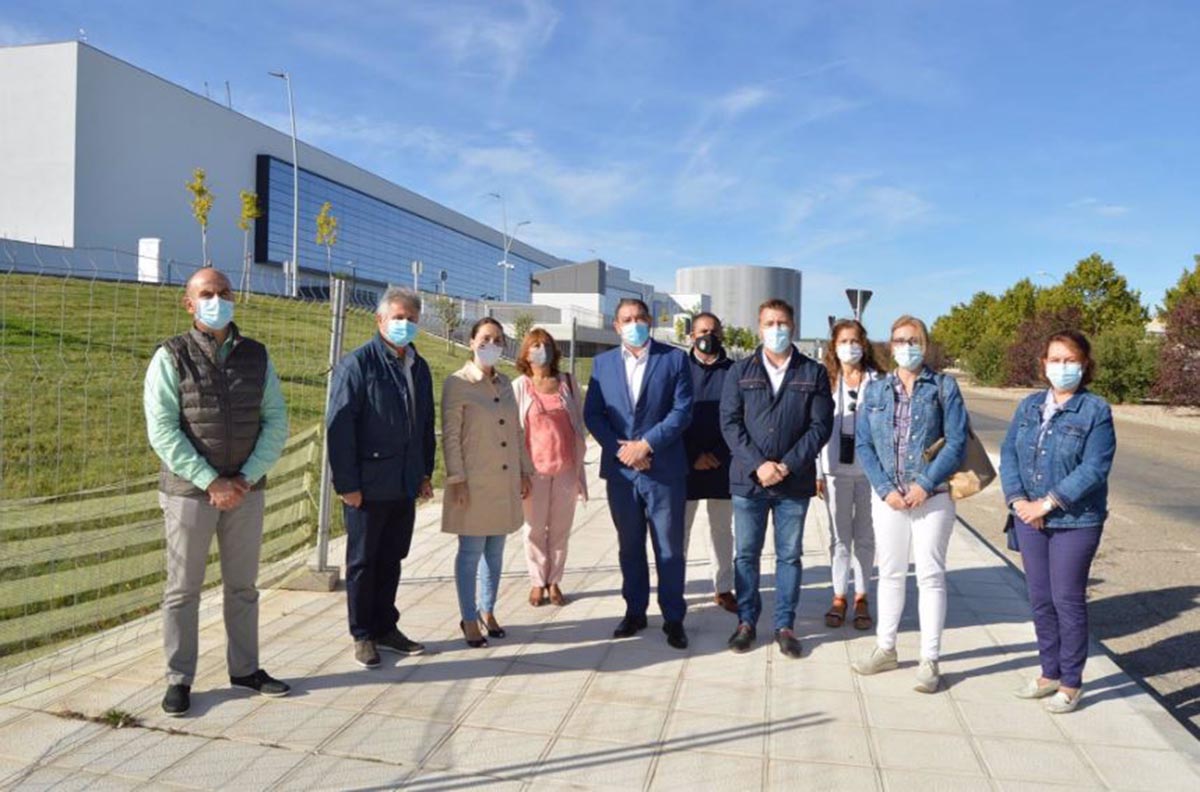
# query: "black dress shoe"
(630, 626)
(177, 701)
(492, 632)
(676, 637)
(743, 639)
(263, 683)
(789, 644)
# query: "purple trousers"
(1057, 562)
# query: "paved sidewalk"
(560, 705)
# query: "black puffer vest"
(219, 404)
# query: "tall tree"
(1188, 286)
(1101, 294)
(202, 202)
(962, 328)
(327, 233)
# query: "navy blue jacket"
(381, 438)
(791, 426)
(662, 412)
(704, 433)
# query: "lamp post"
(293, 276)
(418, 267)
(508, 240)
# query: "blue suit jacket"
(663, 411)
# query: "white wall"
(37, 144)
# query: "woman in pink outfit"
(550, 407)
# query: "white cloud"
(743, 99)
(1097, 206)
(13, 35)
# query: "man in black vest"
(215, 416)
(381, 449)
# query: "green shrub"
(1126, 364)
(986, 359)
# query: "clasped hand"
(771, 473)
(227, 492)
(635, 454)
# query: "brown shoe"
(556, 596)
(537, 596)
(862, 614)
(727, 601)
(836, 616)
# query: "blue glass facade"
(377, 241)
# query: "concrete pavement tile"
(985, 687)
(914, 781)
(102, 695)
(542, 680)
(38, 693)
(121, 751)
(597, 765)
(723, 734)
(915, 713)
(1006, 785)
(1030, 760)
(460, 779)
(387, 739)
(833, 650)
(62, 779)
(812, 676)
(786, 776)
(817, 740)
(825, 704)
(1139, 768)
(646, 691)
(616, 722)
(338, 773)
(539, 714)
(289, 724)
(461, 668)
(349, 690)
(431, 701)
(38, 737)
(584, 656)
(714, 698)
(749, 669)
(934, 753)
(1018, 719)
(897, 683)
(9, 714)
(232, 765)
(212, 712)
(1110, 722)
(503, 754)
(690, 770)
(644, 662)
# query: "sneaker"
(365, 654)
(928, 677)
(878, 660)
(177, 701)
(788, 643)
(1032, 690)
(262, 682)
(743, 638)
(1060, 703)
(398, 642)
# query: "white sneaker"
(1032, 690)
(878, 660)
(1060, 703)
(928, 677)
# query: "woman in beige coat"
(487, 477)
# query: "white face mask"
(487, 354)
(849, 352)
(538, 355)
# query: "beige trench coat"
(484, 446)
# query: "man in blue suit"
(639, 401)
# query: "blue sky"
(924, 150)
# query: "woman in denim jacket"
(1054, 468)
(902, 415)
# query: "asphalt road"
(1145, 584)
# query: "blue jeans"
(750, 531)
(477, 567)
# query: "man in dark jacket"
(708, 455)
(381, 452)
(776, 415)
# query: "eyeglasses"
(906, 342)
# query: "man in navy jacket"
(381, 452)
(776, 415)
(639, 401)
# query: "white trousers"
(926, 530)
(851, 535)
(720, 540)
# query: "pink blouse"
(549, 433)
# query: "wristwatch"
(1047, 506)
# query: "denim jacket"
(1071, 464)
(937, 411)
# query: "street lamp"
(418, 267)
(508, 241)
(294, 275)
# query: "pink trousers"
(549, 512)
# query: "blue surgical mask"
(636, 334)
(1064, 376)
(214, 312)
(777, 338)
(908, 356)
(400, 331)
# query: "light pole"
(294, 274)
(418, 267)
(508, 240)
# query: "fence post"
(324, 511)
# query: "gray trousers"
(191, 523)
(720, 539)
